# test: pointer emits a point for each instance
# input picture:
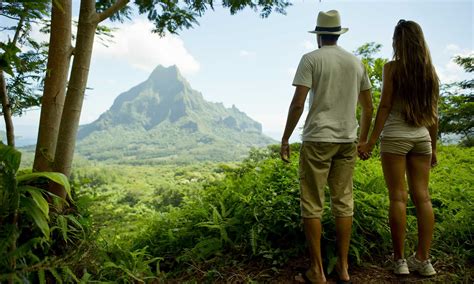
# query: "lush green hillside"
(163, 120)
(204, 222)
(217, 216)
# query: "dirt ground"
(292, 271)
(371, 273)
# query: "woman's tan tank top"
(397, 128)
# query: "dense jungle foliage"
(145, 224)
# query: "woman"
(407, 121)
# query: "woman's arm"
(383, 110)
(433, 130)
(365, 100)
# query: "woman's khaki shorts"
(324, 163)
(403, 147)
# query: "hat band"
(327, 29)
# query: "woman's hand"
(434, 159)
(364, 150)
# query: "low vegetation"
(145, 224)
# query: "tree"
(24, 68)
(167, 16)
(456, 107)
(59, 57)
(374, 66)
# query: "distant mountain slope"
(164, 120)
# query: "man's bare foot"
(315, 278)
(342, 272)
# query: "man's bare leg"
(313, 229)
(343, 234)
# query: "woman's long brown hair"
(414, 77)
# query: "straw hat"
(329, 23)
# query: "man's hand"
(294, 114)
(364, 150)
(285, 151)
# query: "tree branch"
(10, 17)
(17, 19)
(112, 9)
(18, 28)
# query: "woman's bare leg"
(394, 173)
(418, 174)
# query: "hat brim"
(342, 31)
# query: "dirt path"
(258, 272)
(369, 273)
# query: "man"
(337, 80)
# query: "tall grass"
(208, 219)
(253, 213)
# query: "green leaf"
(32, 209)
(56, 275)
(68, 272)
(122, 268)
(253, 240)
(10, 156)
(332, 263)
(62, 225)
(356, 253)
(74, 220)
(38, 198)
(41, 277)
(25, 249)
(58, 178)
(85, 278)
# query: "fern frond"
(253, 240)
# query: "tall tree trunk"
(6, 107)
(7, 111)
(88, 21)
(59, 58)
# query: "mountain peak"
(164, 118)
(166, 74)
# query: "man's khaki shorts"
(324, 163)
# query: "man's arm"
(294, 114)
(365, 100)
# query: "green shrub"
(30, 234)
(253, 212)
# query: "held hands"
(285, 151)
(364, 149)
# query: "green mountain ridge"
(163, 120)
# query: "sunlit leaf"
(58, 178)
(38, 198)
(32, 209)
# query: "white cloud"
(246, 53)
(139, 47)
(453, 50)
(452, 72)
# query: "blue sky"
(250, 62)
